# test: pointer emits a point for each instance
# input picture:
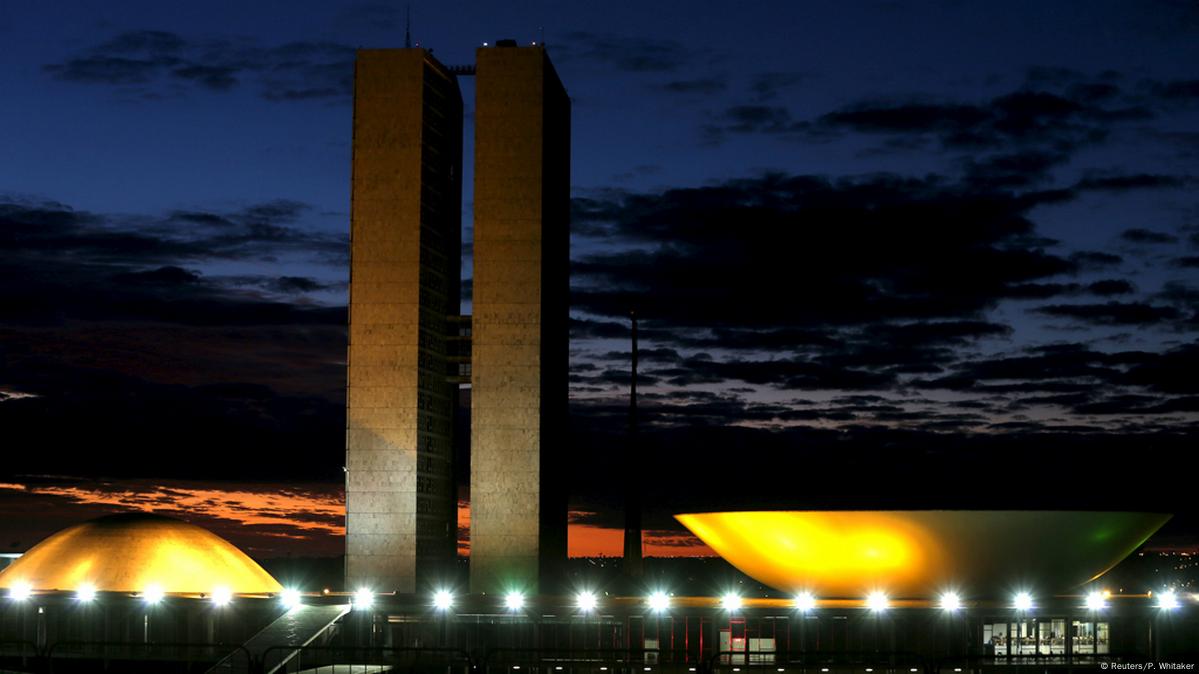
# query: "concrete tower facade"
(405, 225)
(520, 323)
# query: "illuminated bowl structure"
(918, 554)
(136, 552)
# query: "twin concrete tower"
(406, 345)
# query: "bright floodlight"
(659, 601)
(805, 602)
(1167, 600)
(1096, 601)
(730, 601)
(20, 591)
(290, 597)
(586, 601)
(514, 600)
(443, 600)
(1022, 602)
(363, 598)
(85, 592)
(153, 594)
(877, 601)
(221, 596)
(950, 601)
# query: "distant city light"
(1096, 601)
(20, 591)
(443, 600)
(1022, 602)
(804, 601)
(290, 598)
(86, 592)
(153, 594)
(586, 601)
(950, 601)
(659, 601)
(221, 596)
(363, 598)
(514, 600)
(877, 601)
(1167, 600)
(730, 601)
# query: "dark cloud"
(703, 85)
(163, 276)
(1125, 183)
(806, 251)
(632, 54)
(754, 119)
(1139, 235)
(879, 285)
(122, 339)
(1094, 259)
(768, 86)
(1109, 287)
(1112, 313)
(1053, 120)
(1182, 91)
(1013, 170)
(1035, 128)
(264, 232)
(153, 61)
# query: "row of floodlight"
(587, 601)
(659, 601)
(87, 592)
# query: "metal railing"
(880, 662)
(66, 656)
(346, 658)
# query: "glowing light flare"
(443, 600)
(1167, 600)
(1022, 601)
(20, 591)
(658, 601)
(290, 598)
(222, 596)
(85, 592)
(1096, 601)
(877, 601)
(951, 601)
(586, 601)
(363, 598)
(153, 594)
(731, 601)
(805, 601)
(514, 601)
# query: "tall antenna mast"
(408, 26)
(633, 567)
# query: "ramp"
(294, 629)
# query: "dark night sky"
(893, 254)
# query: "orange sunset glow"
(307, 520)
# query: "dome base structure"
(919, 554)
(138, 553)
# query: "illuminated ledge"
(918, 554)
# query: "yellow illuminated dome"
(134, 552)
(919, 554)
